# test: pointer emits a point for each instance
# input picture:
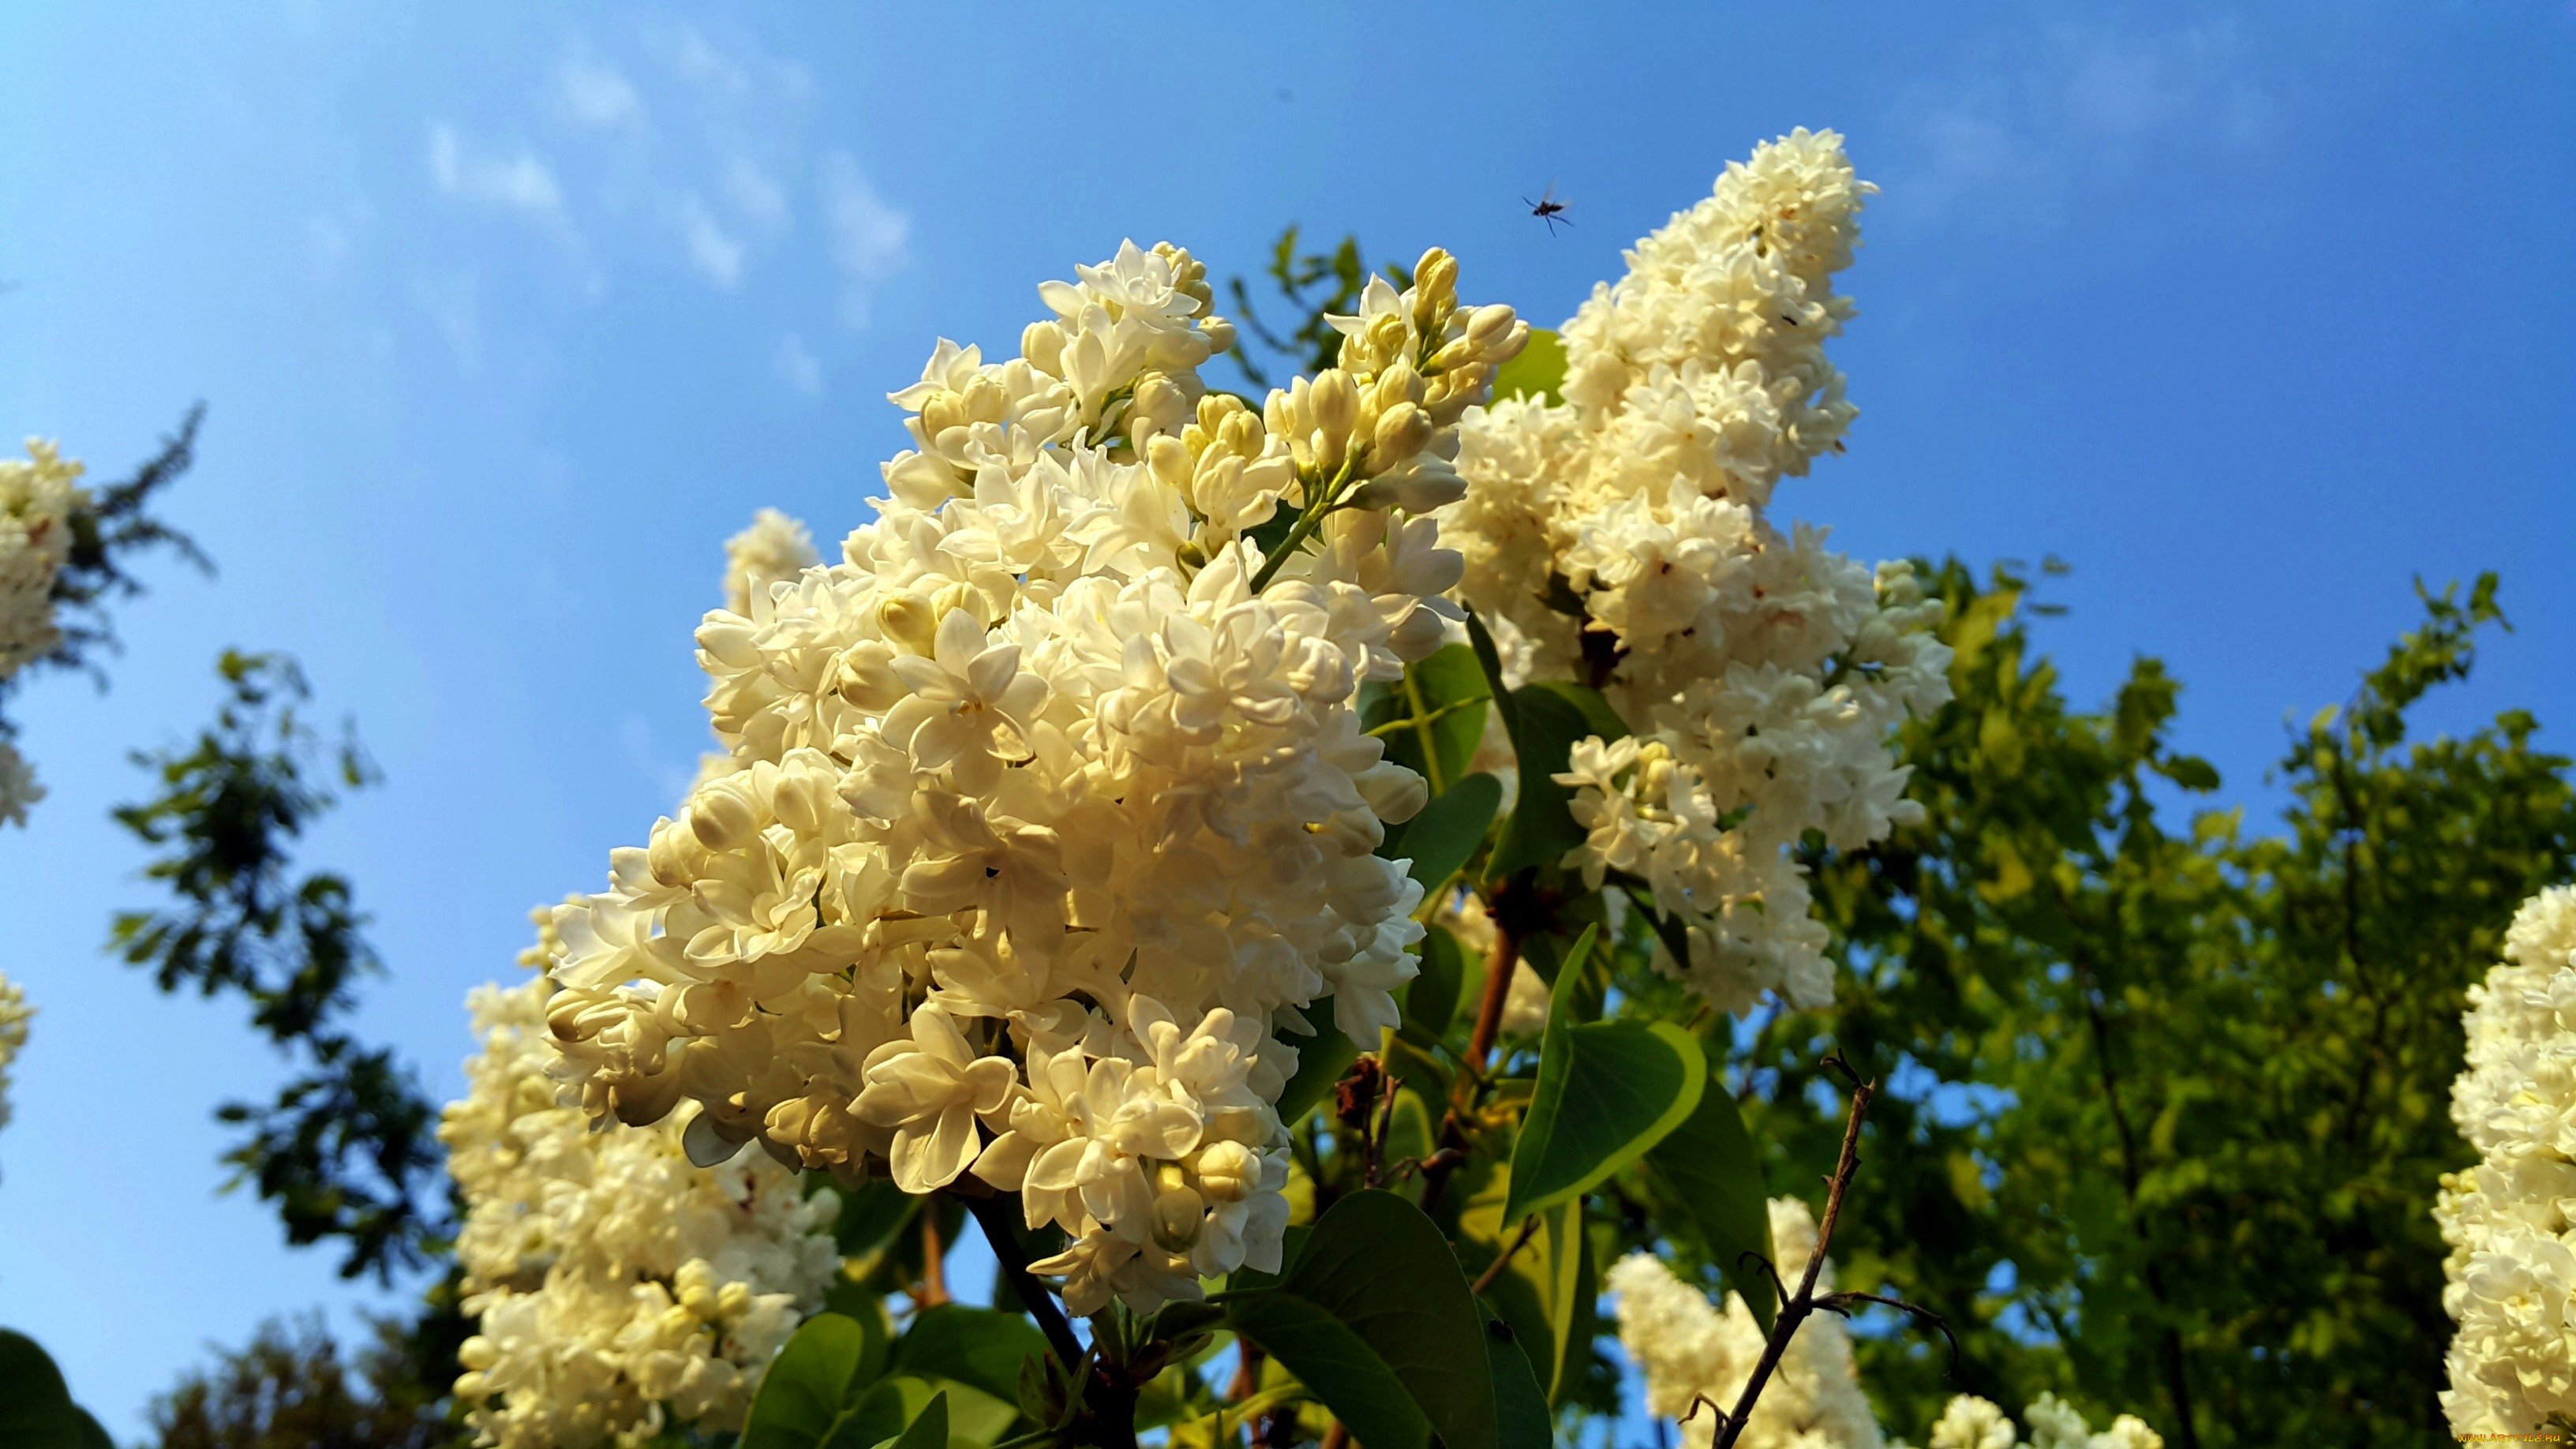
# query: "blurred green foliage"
(2170, 1101)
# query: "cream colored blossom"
(15, 1013)
(775, 549)
(618, 1290)
(1761, 672)
(39, 495)
(1048, 813)
(2512, 1266)
(1687, 1348)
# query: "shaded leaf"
(1448, 830)
(1714, 1175)
(1607, 1092)
(1520, 1409)
(982, 1348)
(1374, 1317)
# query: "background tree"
(347, 1149)
(2170, 1104)
(291, 1387)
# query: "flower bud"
(1178, 1215)
(942, 411)
(1490, 329)
(733, 1300)
(1219, 333)
(1336, 402)
(1160, 407)
(908, 622)
(1419, 487)
(721, 818)
(1169, 457)
(1228, 1172)
(695, 1286)
(1399, 383)
(950, 599)
(669, 855)
(1402, 432)
(1042, 343)
(1435, 278)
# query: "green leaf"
(1490, 664)
(1431, 998)
(928, 1429)
(36, 1408)
(1594, 705)
(1452, 689)
(813, 1389)
(871, 1214)
(1545, 1294)
(1520, 1409)
(1449, 829)
(1715, 1177)
(1544, 726)
(979, 1347)
(1375, 1319)
(1342, 1369)
(1538, 372)
(1607, 1092)
(1320, 1063)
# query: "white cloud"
(755, 193)
(867, 234)
(2040, 116)
(598, 95)
(519, 183)
(713, 249)
(798, 367)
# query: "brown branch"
(1794, 1311)
(1494, 1269)
(1499, 965)
(934, 1259)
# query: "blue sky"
(507, 317)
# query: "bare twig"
(1502, 1260)
(1794, 1310)
(1841, 1303)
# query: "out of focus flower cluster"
(620, 1290)
(1687, 1349)
(1619, 539)
(1970, 1422)
(15, 1013)
(38, 496)
(2512, 1266)
(1046, 810)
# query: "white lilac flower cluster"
(38, 496)
(1687, 1349)
(619, 1289)
(2512, 1267)
(1618, 538)
(775, 549)
(1047, 807)
(14, 1016)
(1970, 1422)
